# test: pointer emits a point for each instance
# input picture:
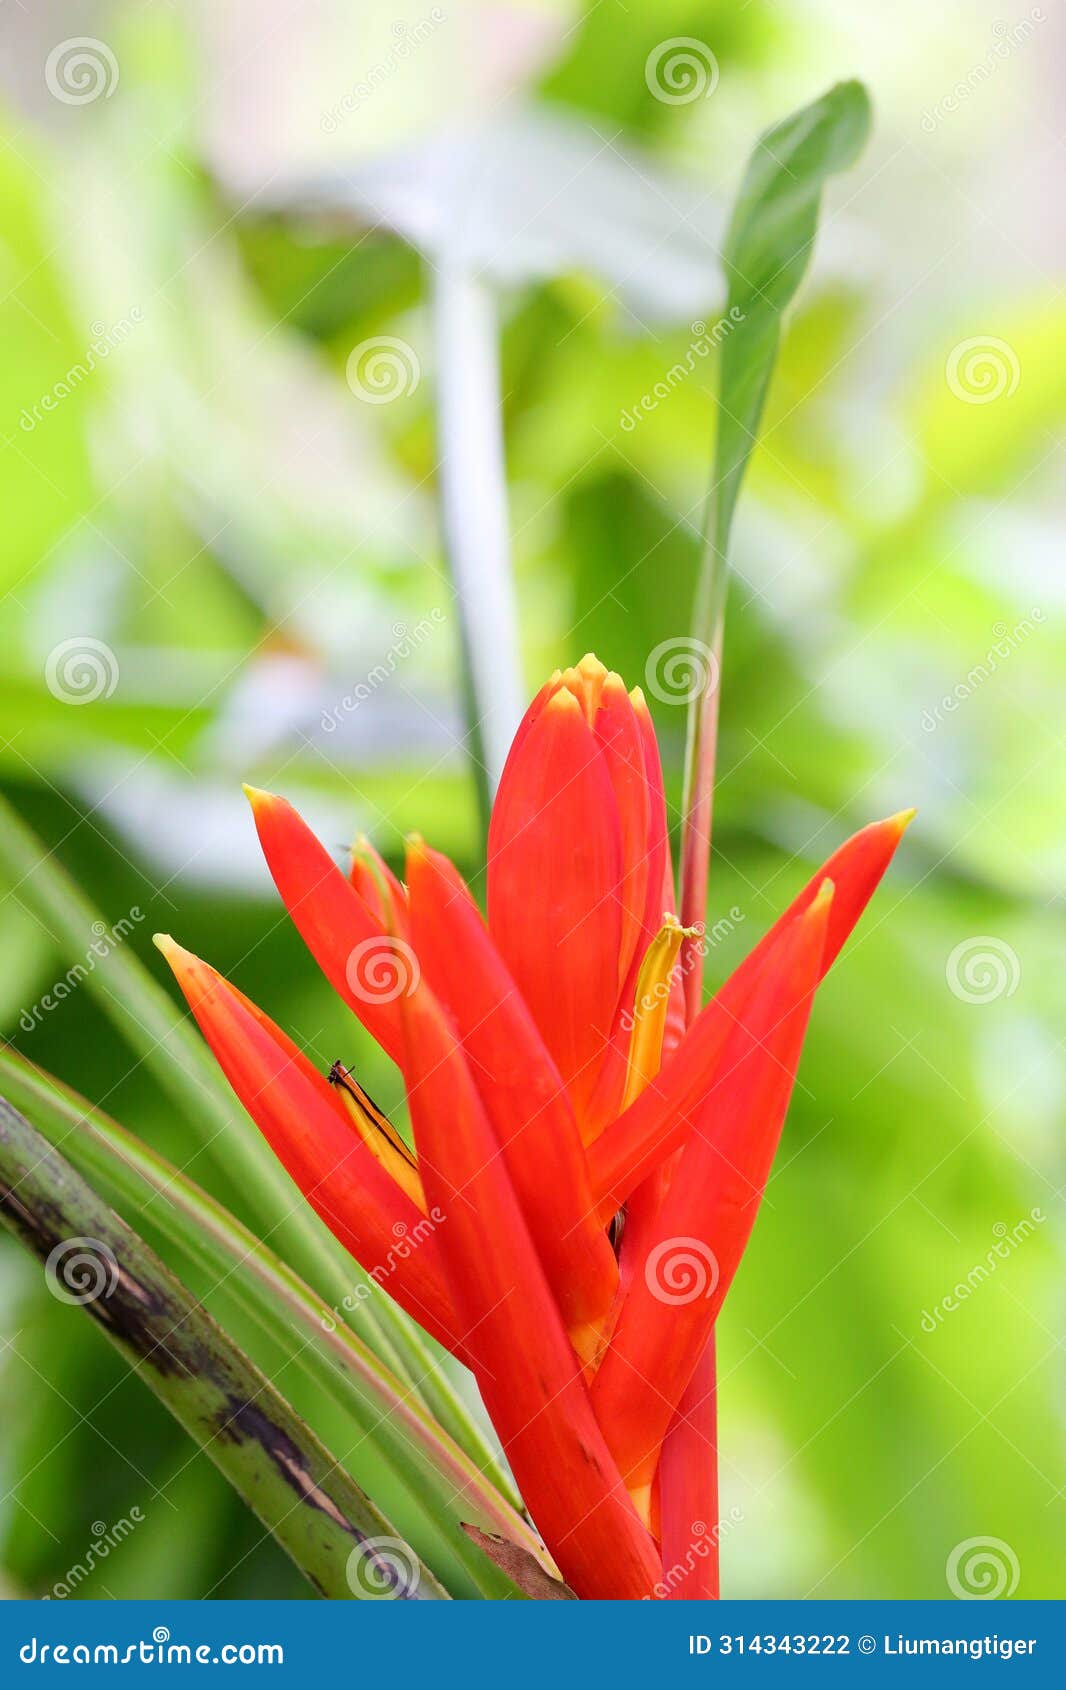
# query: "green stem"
(701, 748)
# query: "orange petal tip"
(586, 681)
(416, 852)
(613, 683)
(256, 795)
(362, 850)
(180, 960)
(591, 666)
(563, 700)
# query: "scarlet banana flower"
(570, 1130)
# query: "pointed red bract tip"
(363, 961)
(309, 1131)
(378, 887)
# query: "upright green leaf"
(767, 250)
(341, 1543)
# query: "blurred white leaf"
(531, 194)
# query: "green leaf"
(341, 1543)
(445, 1487)
(767, 250)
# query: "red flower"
(554, 1092)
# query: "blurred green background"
(235, 539)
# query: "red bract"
(555, 1092)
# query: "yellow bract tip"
(903, 818)
(255, 794)
(585, 682)
(162, 942)
(562, 700)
